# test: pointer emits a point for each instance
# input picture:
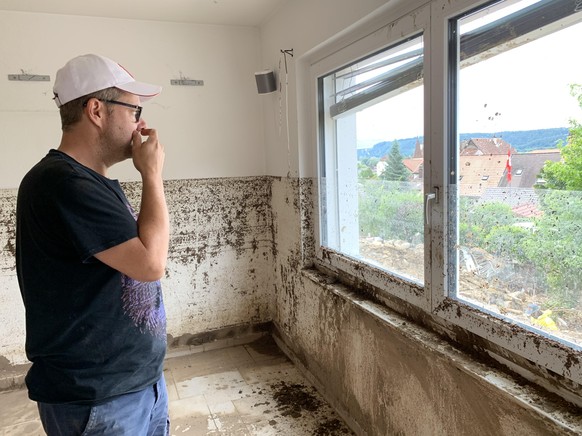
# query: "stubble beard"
(113, 150)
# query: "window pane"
(372, 135)
(518, 165)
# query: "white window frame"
(538, 358)
(367, 41)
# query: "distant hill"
(523, 141)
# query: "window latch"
(428, 197)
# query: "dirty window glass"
(371, 136)
(515, 171)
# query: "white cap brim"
(144, 91)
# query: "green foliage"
(507, 241)
(390, 210)
(556, 245)
(365, 172)
(370, 162)
(478, 220)
(552, 247)
(395, 169)
(567, 174)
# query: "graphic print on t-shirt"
(142, 302)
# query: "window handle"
(428, 197)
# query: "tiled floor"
(250, 389)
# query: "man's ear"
(95, 111)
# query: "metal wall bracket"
(186, 82)
(29, 77)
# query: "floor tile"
(229, 384)
(265, 349)
(244, 390)
(231, 425)
(16, 408)
(192, 426)
(31, 428)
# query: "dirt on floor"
(294, 400)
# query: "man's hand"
(144, 257)
(148, 156)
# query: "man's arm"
(144, 258)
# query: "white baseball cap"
(91, 73)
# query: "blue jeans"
(143, 413)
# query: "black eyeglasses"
(133, 106)
(137, 109)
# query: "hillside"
(523, 141)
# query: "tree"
(477, 221)
(395, 169)
(567, 174)
(388, 211)
(370, 162)
(556, 244)
(365, 172)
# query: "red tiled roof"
(413, 164)
(527, 210)
(479, 173)
(484, 147)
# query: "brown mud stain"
(296, 400)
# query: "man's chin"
(128, 152)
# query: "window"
(374, 199)
(423, 126)
(517, 253)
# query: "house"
(518, 191)
(479, 172)
(380, 166)
(484, 147)
(526, 167)
(242, 184)
(415, 167)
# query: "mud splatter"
(331, 427)
(295, 399)
(8, 231)
(209, 216)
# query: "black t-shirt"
(91, 332)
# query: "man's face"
(121, 123)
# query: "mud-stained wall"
(11, 309)
(384, 374)
(220, 269)
(241, 254)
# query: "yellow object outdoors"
(545, 321)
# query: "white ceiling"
(228, 12)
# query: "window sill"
(486, 371)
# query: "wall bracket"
(186, 82)
(29, 77)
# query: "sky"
(524, 88)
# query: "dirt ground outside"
(487, 284)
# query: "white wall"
(301, 25)
(210, 131)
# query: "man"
(88, 269)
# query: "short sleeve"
(95, 215)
